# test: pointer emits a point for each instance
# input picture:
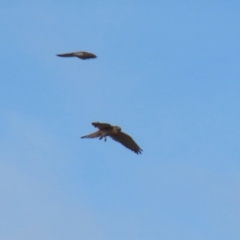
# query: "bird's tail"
(92, 135)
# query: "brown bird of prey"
(82, 55)
(116, 134)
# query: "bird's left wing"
(66, 55)
(127, 141)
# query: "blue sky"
(167, 72)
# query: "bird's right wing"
(101, 125)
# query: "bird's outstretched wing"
(82, 55)
(101, 125)
(66, 55)
(127, 141)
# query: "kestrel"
(82, 55)
(116, 134)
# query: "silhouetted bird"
(82, 55)
(116, 134)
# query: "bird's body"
(116, 134)
(82, 55)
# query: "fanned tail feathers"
(92, 135)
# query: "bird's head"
(116, 129)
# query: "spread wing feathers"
(127, 141)
(101, 125)
(82, 55)
(92, 135)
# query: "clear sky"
(167, 72)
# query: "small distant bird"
(116, 134)
(82, 55)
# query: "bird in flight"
(82, 55)
(105, 129)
